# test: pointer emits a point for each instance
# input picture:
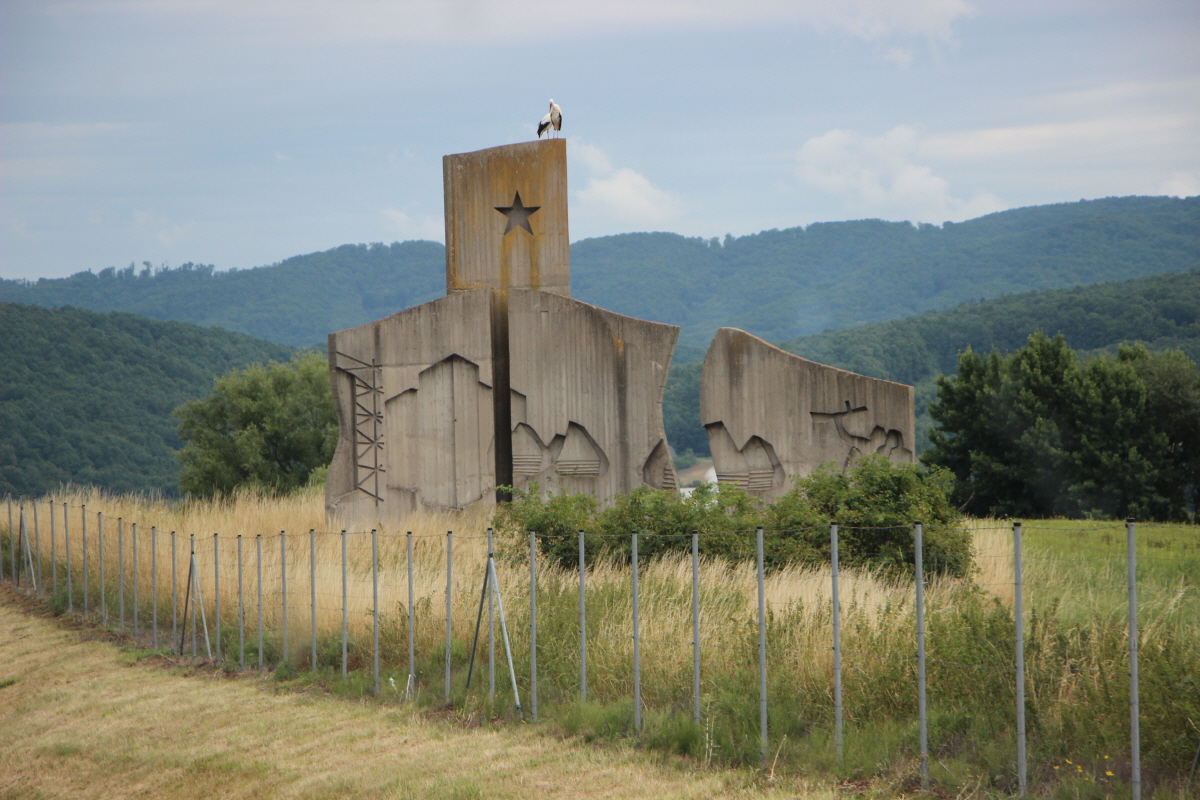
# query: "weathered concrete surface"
(413, 393)
(772, 416)
(587, 387)
(487, 247)
(507, 380)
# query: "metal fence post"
(449, 596)
(8, 501)
(12, 541)
(312, 592)
(193, 582)
(918, 545)
(1135, 738)
(15, 541)
(121, 570)
(241, 610)
(762, 648)
(411, 686)
(491, 604)
(83, 547)
(1019, 620)
(375, 603)
(37, 546)
(217, 592)
(134, 568)
(533, 687)
(174, 593)
(582, 622)
(283, 590)
(345, 610)
(100, 557)
(258, 564)
(154, 585)
(53, 555)
(67, 547)
(28, 548)
(696, 627)
(637, 643)
(837, 641)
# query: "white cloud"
(407, 226)
(1181, 184)
(879, 176)
(622, 195)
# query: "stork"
(552, 119)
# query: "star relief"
(518, 214)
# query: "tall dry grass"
(1075, 629)
(280, 528)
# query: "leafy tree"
(268, 427)
(1040, 433)
(681, 410)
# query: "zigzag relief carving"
(448, 412)
(529, 453)
(753, 467)
(580, 456)
(887, 442)
(659, 471)
(575, 454)
(791, 415)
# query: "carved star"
(518, 214)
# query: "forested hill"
(298, 301)
(776, 284)
(779, 284)
(1162, 311)
(87, 397)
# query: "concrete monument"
(506, 380)
(772, 416)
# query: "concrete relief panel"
(772, 416)
(504, 380)
(414, 398)
(506, 218)
(587, 389)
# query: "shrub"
(875, 504)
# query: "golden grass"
(80, 718)
(728, 592)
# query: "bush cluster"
(875, 504)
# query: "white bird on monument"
(554, 118)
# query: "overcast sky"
(241, 133)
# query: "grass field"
(1075, 600)
(82, 718)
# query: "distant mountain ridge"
(777, 284)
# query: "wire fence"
(375, 605)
